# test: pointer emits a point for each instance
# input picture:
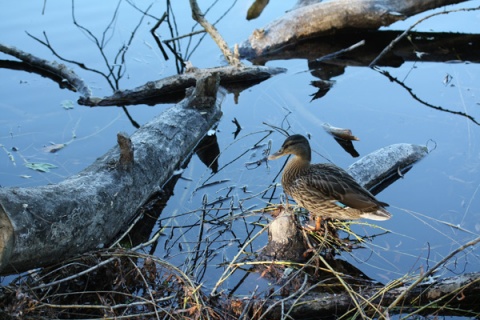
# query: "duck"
(324, 189)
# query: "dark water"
(436, 207)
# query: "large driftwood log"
(46, 224)
(329, 17)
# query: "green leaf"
(42, 167)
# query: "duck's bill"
(275, 155)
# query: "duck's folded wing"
(334, 183)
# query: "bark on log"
(330, 17)
(172, 89)
(46, 224)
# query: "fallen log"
(167, 90)
(172, 89)
(87, 211)
(329, 17)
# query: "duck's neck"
(295, 167)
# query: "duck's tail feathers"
(379, 215)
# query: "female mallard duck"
(324, 189)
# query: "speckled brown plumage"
(325, 190)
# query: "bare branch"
(198, 16)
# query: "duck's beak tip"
(274, 156)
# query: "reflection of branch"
(401, 36)
(414, 96)
(156, 38)
(199, 17)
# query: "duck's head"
(297, 145)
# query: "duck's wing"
(334, 183)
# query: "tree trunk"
(329, 17)
(43, 225)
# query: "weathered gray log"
(386, 163)
(459, 293)
(329, 17)
(46, 224)
(171, 89)
(284, 238)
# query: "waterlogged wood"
(172, 89)
(47, 224)
(453, 294)
(330, 17)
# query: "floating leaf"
(54, 147)
(67, 104)
(42, 167)
(345, 134)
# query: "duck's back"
(329, 191)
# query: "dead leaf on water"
(341, 133)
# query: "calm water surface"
(439, 192)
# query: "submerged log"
(46, 224)
(330, 17)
